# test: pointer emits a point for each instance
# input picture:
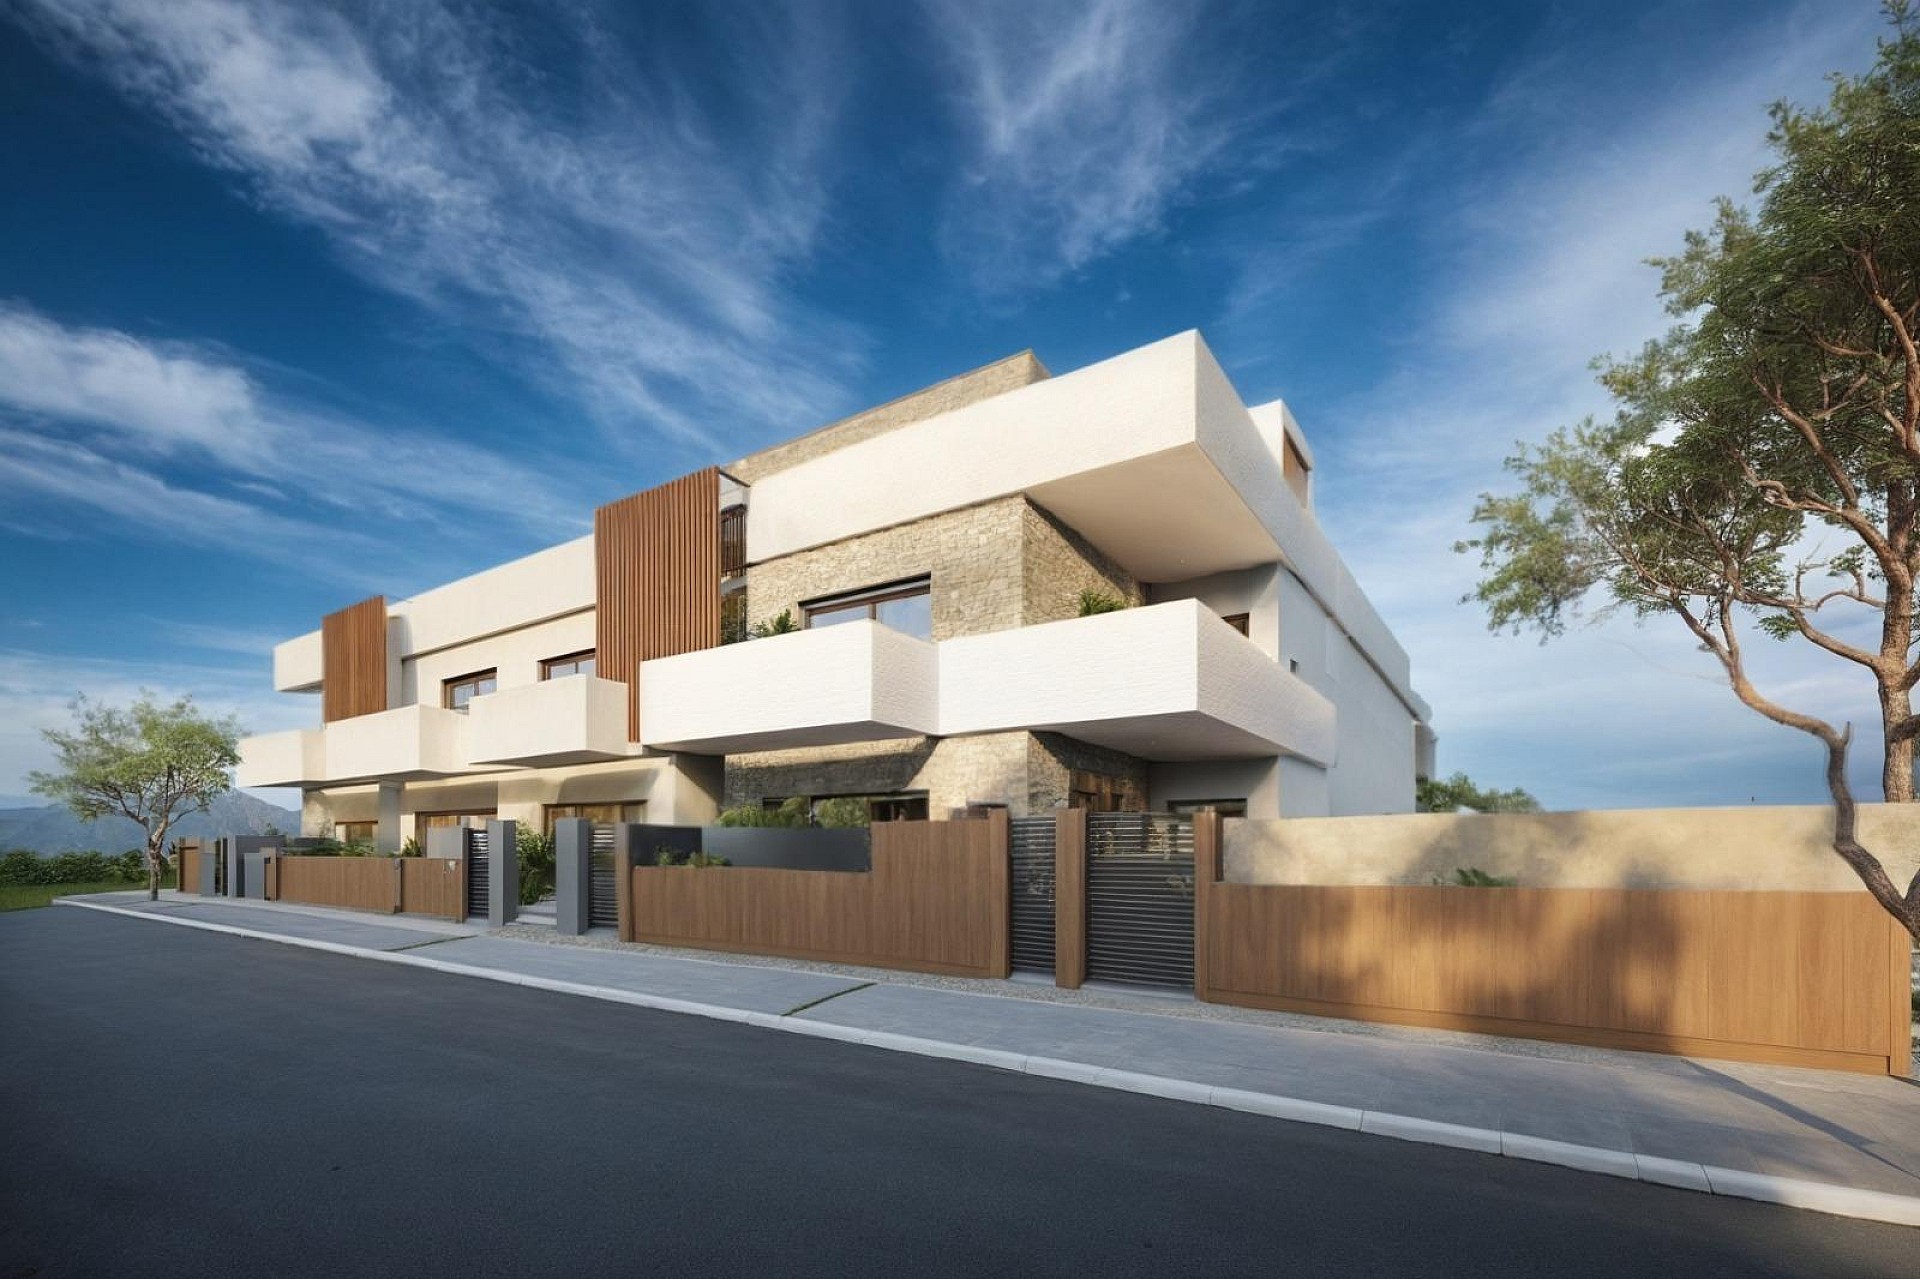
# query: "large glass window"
(602, 814)
(906, 607)
(456, 693)
(424, 822)
(571, 664)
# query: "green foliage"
(1445, 796)
(699, 859)
(1762, 467)
(411, 847)
(792, 812)
(781, 623)
(150, 762)
(1092, 601)
(535, 852)
(23, 867)
(1474, 877)
(843, 813)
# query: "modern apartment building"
(939, 560)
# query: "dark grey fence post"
(503, 876)
(236, 868)
(210, 854)
(572, 875)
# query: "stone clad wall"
(1056, 564)
(954, 771)
(982, 383)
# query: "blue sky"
(296, 298)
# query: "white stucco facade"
(1253, 670)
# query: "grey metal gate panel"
(1140, 898)
(603, 907)
(1031, 852)
(478, 864)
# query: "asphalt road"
(182, 1103)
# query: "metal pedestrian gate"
(479, 866)
(1030, 850)
(603, 906)
(1140, 898)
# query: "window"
(1238, 621)
(906, 607)
(424, 822)
(1225, 807)
(356, 832)
(456, 693)
(571, 664)
(600, 814)
(907, 806)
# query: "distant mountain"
(52, 829)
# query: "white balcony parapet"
(855, 682)
(293, 758)
(406, 743)
(1167, 682)
(576, 720)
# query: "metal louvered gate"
(603, 907)
(1031, 852)
(1140, 898)
(479, 865)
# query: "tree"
(149, 762)
(1763, 465)
(1458, 791)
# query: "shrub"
(792, 812)
(1092, 601)
(668, 855)
(23, 867)
(1474, 877)
(781, 623)
(535, 852)
(412, 848)
(843, 812)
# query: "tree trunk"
(1903, 907)
(153, 873)
(1896, 770)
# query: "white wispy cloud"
(37, 689)
(1085, 127)
(638, 244)
(182, 444)
(1537, 256)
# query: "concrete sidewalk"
(1835, 1142)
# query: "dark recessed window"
(1224, 807)
(571, 664)
(357, 832)
(906, 607)
(456, 693)
(600, 814)
(1238, 621)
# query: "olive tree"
(149, 762)
(1762, 472)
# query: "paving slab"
(757, 989)
(339, 928)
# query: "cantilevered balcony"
(403, 744)
(1168, 682)
(575, 720)
(856, 682)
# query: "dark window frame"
(1238, 621)
(870, 597)
(448, 685)
(1187, 807)
(548, 663)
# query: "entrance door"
(1140, 899)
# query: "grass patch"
(28, 896)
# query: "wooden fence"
(1801, 978)
(187, 872)
(935, 901)
(417, 885)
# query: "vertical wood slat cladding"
(1069, 897)
(353, 660)
(1799, 978)
(433, 886)
(656, 578)
(356, 883)
(935, 901)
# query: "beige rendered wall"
(982, 383)
(683, 789)
(1780, 848)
